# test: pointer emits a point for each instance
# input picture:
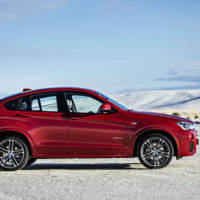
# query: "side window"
(11, 105)
(24, 105)
(49, 104)
(82, 103)
(44, 103)
(35, 105)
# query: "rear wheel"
(155, 151)
(14, 153)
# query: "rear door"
(42, 117)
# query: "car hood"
(148, 115)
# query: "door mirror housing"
(105, 108)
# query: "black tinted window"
(24, 105)
(11, 105)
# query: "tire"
(14, 153)
(31, 161)
(155, 151)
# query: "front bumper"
(188, 143)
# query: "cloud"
(112, 3)
(192, 63)
(112, 6)
(189, 26)
(172, 73)
(181, 77)
(184, 78)
(12, 9)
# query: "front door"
(92, 134)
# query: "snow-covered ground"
(183, 100)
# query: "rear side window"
(11, 105)
(35, 105)
(24, 105)
(44, 103)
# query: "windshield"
(112, 101)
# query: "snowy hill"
(183, 100)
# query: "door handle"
(19, 115)
(75, 118)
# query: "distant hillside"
(183, 100)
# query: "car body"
(82, 123)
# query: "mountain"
(180, 100)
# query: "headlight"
(186, 125)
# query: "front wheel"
(155, 151)
(14, 153)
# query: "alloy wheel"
(156, 151)
(12, 153)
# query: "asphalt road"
(83, 179)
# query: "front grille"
(191, 146)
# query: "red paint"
(106, 107)
(64, 134)
(26, 89)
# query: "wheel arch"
(20, 135)
(148, 132)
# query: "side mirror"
(105, 108)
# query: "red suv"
(81, 123)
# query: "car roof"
(53, 89)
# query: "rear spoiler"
(26, 89)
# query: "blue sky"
(108, 45)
